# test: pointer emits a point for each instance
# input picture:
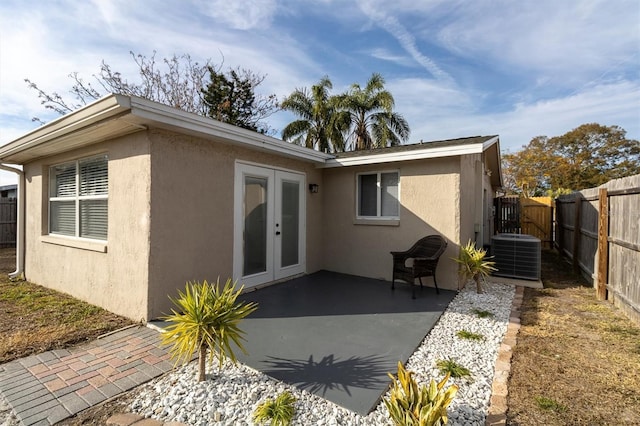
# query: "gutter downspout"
(20, 225)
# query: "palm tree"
(320, 125)
(373, 122)
(474, 265)
(207, 319)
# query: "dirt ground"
(35, 319)
(577, 359)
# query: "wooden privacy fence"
(533, 216)
(8, 222)
(599, 230)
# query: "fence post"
(576, 233)
(603, 244)
(559, 227)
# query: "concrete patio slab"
(338, 335)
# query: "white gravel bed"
(229, 397)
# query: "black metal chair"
(425, 254)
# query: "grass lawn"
(35, 319)
(577, 359)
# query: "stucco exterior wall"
(429, 199)
(115, 279)
(192, 216)
(470, 197)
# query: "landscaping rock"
(230, 396)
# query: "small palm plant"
(474, 264)
(206, 318)
(411, 405)
(279, 411)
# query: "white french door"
(269, 224)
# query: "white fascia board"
(172, 117)
(108, 107)
(418, 154)
(490, 142)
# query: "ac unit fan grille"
(516, 256)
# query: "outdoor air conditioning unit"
(516, 256)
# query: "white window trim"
(75, 240)
(378, 219)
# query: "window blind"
(78, 203)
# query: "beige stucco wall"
(192, 215)
(115, 280)
(470, 187)
(171, 219)
(430, 203)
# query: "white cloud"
(568, 62)
(386, 55)
(242, 15)
(404, 37)
(562, 40)
(606, 104)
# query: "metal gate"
(532, 216)
(507, 218)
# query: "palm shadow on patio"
(328, 374)
(338, 335)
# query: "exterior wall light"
(313, 188)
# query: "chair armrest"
(400, 254)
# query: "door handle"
(277, 232)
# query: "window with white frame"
(378, 195)
(78, 198)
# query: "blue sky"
(455, 67)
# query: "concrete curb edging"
(497, 415)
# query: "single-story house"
(126, 199)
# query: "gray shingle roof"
(417, 146)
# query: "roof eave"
(103, 109)
(418, 154)
(170, 118)
(121, 114)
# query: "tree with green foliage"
(585, 157)
(231, 98)
(373, 123)
(178, 82)
(321, 125)
(361, 118)
(206, 319)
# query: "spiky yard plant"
(452, 368)
(473, 264)
(469, 335)
(481, 313)
(206, 319)
(410, 404)
(279, 411)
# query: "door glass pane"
(389, 194)
(290, 222)
(368, 187)
(255, 225)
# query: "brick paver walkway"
(46, 388)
